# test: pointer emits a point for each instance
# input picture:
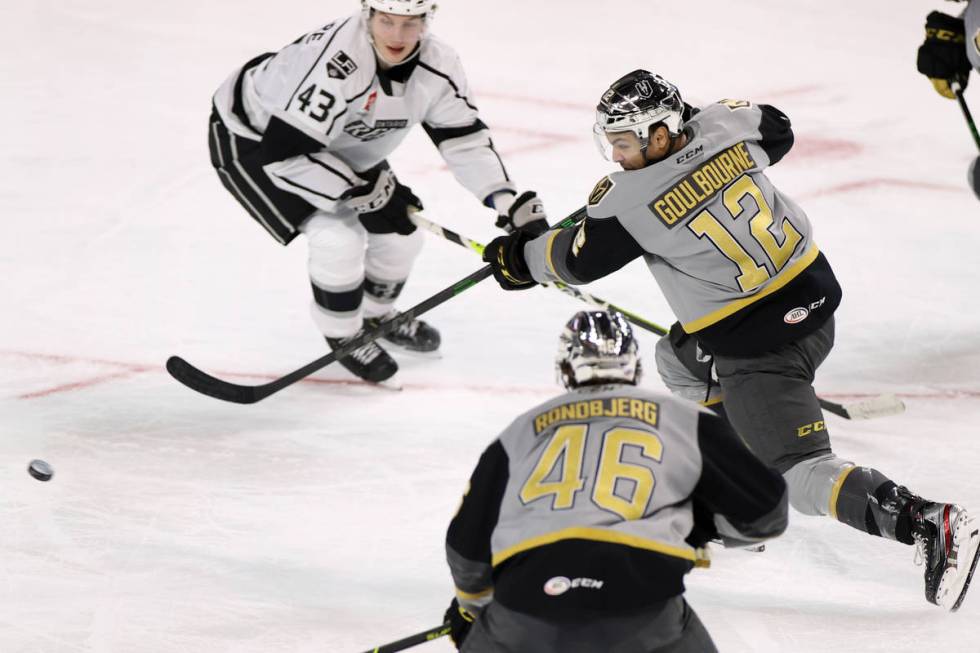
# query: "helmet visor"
(617, 145)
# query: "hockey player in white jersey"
(300, 137)
(583, 516)
(737, 262)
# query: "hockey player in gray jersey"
(950, 50)
(300, 138)
(737, 262)
(583, 516)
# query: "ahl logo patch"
(601, 190)
(796, 315)
(560, 584)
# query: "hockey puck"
(40, 470)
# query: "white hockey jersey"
(324, 110)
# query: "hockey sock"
(870, 502)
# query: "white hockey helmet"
(401, 7)
(597, 347)
(636, 102)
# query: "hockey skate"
(414, 335)
(369, 361)
(947, 541)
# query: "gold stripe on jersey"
(595, 535)
(788, 274)
(547, 254)
(700, 186)
(576, 411)
(467, 596)
(835, 492)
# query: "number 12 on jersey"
(563, 459)
(751, 275)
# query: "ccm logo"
(560, 584)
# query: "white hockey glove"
(522, 213)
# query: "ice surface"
(313, 521)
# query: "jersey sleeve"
(776, 133)
(748, 499)
(596, 248)
(454, 125)
(468, 549)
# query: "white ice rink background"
(314, 521)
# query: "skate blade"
(968, 532)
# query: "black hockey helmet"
(636, 102)
(597, 347)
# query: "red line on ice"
(131, 369)
(862, 184)
(78, 385)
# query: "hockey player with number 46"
(737, 261)
(300, 138)
(584, 515)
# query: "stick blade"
(880, 406)
(208, 385)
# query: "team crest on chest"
(340, 66)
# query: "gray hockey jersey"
(971, 24)
(586, 504)
(325, 111)
(726, 247)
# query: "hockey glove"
(460, 621)
(942, 57)
(382, 205)
(505, 255)
(525, 213)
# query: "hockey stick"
(958, 90)
(879, 406)
(459, 239)
(206, 384)
(413, 640)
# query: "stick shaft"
(413, 640)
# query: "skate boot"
(413, 335)
(947, 541)
(369, 361)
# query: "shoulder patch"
(340, 66)
(735, 104)
(601, 190)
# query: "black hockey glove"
(382, 205)
(942, 57)
(525, 214)
(460, 621)
(505, 255)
